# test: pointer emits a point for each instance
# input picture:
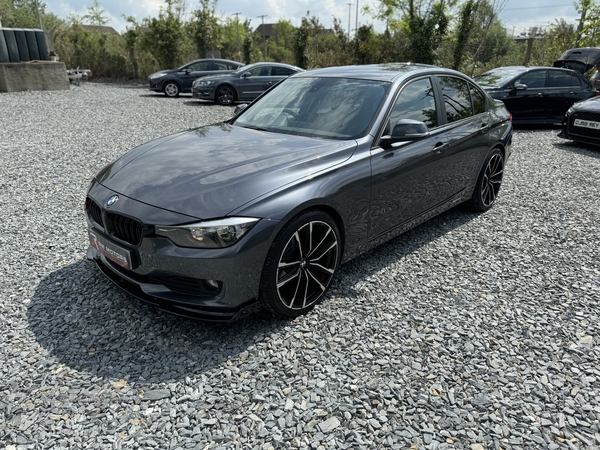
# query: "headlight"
(203, 83)
(157, 75)
(570, 111)
(210, 234)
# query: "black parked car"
(536, 94)
(245, 84)
(174, 81)
(262, 209)
(582, 122)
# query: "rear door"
(564, 89)
(467, 128)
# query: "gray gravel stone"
(468, 330)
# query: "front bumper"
(203, 92)
(175, 278)
(580, 134)
(156, 85)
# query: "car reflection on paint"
(261, 210)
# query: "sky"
(517, 16)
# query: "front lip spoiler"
(179, 309)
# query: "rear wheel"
(489, 182)
(171, 89)
(225, 95)
(301, 264)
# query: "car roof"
(216, 59)
(377, 72)
(526, 68)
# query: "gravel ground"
(471, 331)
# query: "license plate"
(115, 253)
(587, 124)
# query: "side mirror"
(246, 74)
(520, 87)
(408, 130)
(188, 70)
(239, 108)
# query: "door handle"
(541, 94)
(269, 83)
(440, 146)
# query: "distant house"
(265, 30)
(100, 29)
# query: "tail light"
(510, 116)
(597, 93)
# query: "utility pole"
(263, 35)
(529, 45)
(237, 27)
(356, 27)
(349, 12)
(37, 8)
(580, 26)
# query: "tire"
(225, 95)
(489, 182)
(300, 265)
(171, 89)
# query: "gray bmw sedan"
(261, 210)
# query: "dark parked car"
(245, 84)
(536, 94)
(262, 209)
(582, 60)
(582, 122)
(174, 81)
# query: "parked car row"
(220, 80)
(560, 94)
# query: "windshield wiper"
(254, 127)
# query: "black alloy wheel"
(489, 182)
(301, 264)
(171, 89)
(225, 95)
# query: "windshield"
(497, 77)
(335, 108)
(243, 69)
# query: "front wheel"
(225, 95)
(489, 182)
(171, 89)
(300, 265)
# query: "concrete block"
(33, 76)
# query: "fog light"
(211, 285)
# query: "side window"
(263, 71)
(282, 71)
(417, 102)
(534, 79)
(478, 100)
(232, 66)
(457, 98)
(200, 66)
(560, 79)
(220, 65)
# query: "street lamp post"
(349, 12)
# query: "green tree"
(206, 28)
(95, 15)
(165, 37)
(425, 23)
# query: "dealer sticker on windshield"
(112, 251)
(587, 124)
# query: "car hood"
(210, 171)
(591, 104)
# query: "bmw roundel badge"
(111, 201)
